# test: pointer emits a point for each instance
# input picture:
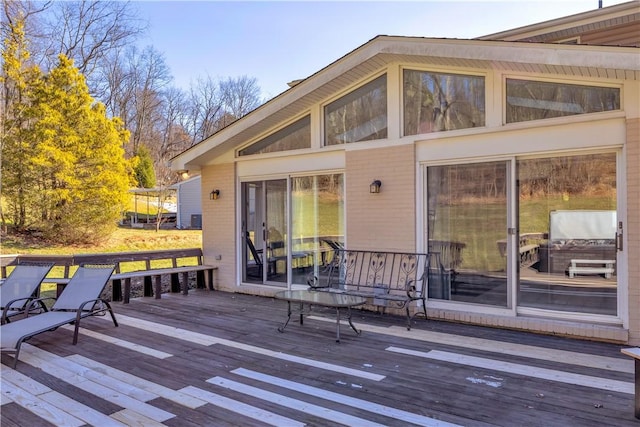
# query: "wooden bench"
(635, 353)
(128, 268)
(387, 278)
(149, 266)
(591, 266)
(528, 248)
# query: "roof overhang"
(373, 56)
(572, 25)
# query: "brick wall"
(385, 220)
(218, 221)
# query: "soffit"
(376, 55)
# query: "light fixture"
(374, 187)
(214, 195)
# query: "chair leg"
(15, 357)
(76, 329)
(113, 316)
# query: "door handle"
(619, 237)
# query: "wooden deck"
(217, 359)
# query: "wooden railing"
(148, 265)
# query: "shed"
(189, 204)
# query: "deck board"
(224, 352)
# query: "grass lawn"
(123, 240)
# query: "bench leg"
(185, 283)
(158, 287)
(208, 279)
(116, 290)
(127, 291)
(175, 283)
(148, 286)
(201, 279)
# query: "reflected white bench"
(592, 266)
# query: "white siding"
(189, 201)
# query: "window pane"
(568, 215)
(435, 102)
(529, 100)
(358, 116)
(467, 208)
(317, 218)
(293, 137)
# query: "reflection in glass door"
(279, 249)
(467, 223)
(276, 246)
(568, 225)
(264, 231)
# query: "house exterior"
(515, 157)
(188, 203)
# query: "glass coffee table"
(323, 299)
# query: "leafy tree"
(143, 171)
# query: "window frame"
(307, 115)
(464, 72)
(586, 83)
(340, 95)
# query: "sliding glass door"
(558, 253)
(289, 227)
(568, 217)
(467, 231)
(264, 231)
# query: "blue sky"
(280, 41)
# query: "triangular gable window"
(293, 137)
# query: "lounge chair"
(21, 288)
(79, 299)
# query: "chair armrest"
(9, 305)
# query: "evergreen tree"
(83, 176)
(64, 173)
(17, 146)
(144, 172)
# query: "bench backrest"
(387, 272)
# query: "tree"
(79, 179)
(87, 31)
(17, 147)
(144, 172)
(241, 95)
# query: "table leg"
(281, 328)
(302, 312)
(351, 324)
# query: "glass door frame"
(510, 233)
(621, 257)
(264, 249)
(513, 264)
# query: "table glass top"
(327, 299)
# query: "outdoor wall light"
(374, 187)
(214, 195)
